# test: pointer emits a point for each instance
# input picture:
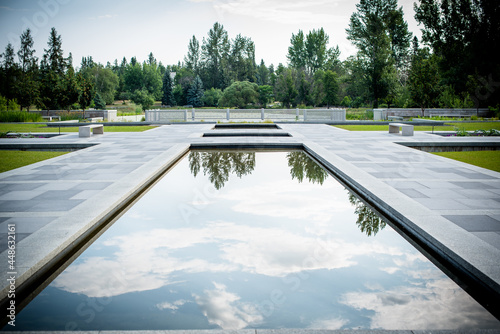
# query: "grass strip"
(14, 159)
(447, 127)
(485, 159)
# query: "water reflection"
(302, 165)
(368, 221)
(270, 253)
(219, 165)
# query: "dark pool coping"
(477, 257)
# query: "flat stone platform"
(452, 208)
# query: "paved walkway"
(453, 207)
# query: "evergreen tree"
(195, 93)
(53, 67)
(27, 86)
(9, 73)
(168, 96)
(54, 54)
(69, 85)
(262, 74)
(99, 102)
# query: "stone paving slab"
(55, 202)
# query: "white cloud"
(224, 309)
(334, 323)
(424, 303)
(279, 11)
(147, 260)
(171, 306)
(288, 200)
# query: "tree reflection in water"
(219, 165)
(302, 165)
(368, 221)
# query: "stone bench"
(95, 119)
(395, 118)
(87, 130)
(50, 118)
(406, 129)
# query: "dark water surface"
(251, 240)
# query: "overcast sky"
(109, 30)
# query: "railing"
(192, 115)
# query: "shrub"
(20, 116)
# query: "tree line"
(453, 65)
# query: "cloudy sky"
(109, 30)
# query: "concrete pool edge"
(98, 210)
(464, 263)
(300, 141)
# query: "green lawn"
(15, 159)
(27, 127)
(449, 127)
(485, 159)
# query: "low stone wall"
(109, 115)
(299, 115)
(382, 114)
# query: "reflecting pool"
(245, 239)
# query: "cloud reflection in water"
(269, 233)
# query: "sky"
(109, 30)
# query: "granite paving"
(54, 203)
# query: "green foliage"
(381, 35)
(285, 90)
(99, 102)
(106, 83)
(448, 99)
(265, 95)
(368, 221)
(330, 81)
(301, 165)
(8, 104)
(213, 51)
(240, 94)
(346, 101)
(459, 32)
(168, 95)
(211, 97)
(20, 116)
(219, 165)
(144, 98)
(195, 93)
(87, 90)
(424, 81)
(27, 86)
(311, 52)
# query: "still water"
(237, 240)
